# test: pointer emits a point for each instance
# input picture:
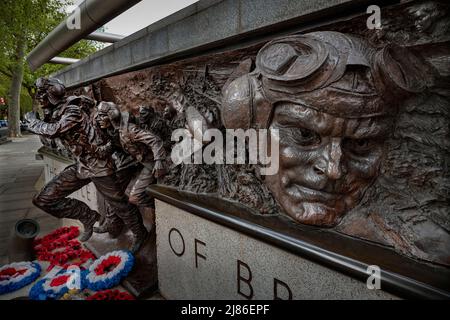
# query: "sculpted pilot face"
(145, 114)
(108, 115)
(326, 162)
(41, 96)
(103, 120)
(49, 92)
(333, 100)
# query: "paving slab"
(19, 172)
(16, 196)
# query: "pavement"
(20, 177)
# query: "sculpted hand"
(103, 151)
(30, 116)
(159, 170)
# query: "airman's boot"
(114, 228)
(140, 238)
(88, 225)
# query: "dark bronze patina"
(363, 120)
(68, 119)
(333, 98)
(364, 140)
(140, 142)
(401, 275)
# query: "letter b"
(247, 280)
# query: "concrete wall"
(205, 25)
(199, 259)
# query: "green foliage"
(32, 20)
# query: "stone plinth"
(199, 259)
(210, 248)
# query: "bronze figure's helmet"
(305, 68)
(108, 113)
(146, 114)
(333, 99)
(110, 109)
(51, 88)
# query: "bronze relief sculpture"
(350, 160)
(352, 156)
(334, 99)
(71, 121)
(139, 142)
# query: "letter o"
(179, 254)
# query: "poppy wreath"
(67, 253)
(109, 270)
(54, 287)
(60, 248)
(17, 275)
(53, 238)
(111, 295)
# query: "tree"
(24, 24)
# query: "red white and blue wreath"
(54, 287)
(17, 275)
(108, 270)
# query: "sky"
(143, 14)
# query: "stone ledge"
(400, 275)
(201, 259)
(202, 26)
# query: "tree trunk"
(16, 85)
(34, 102)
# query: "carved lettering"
(278, 283)
(179, 252)
(247, 280)
(197, 254)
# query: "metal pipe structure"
(86, 18)
(63, 60)
(104, 37)
(96, 36)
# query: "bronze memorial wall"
(362, 118)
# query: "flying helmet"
(330, 72)
(51, 88)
